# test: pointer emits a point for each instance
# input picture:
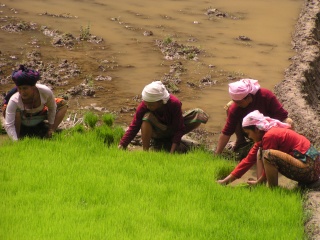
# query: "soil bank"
(300, 92)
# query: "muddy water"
(269, 25)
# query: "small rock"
(243, 38)
(148, 33)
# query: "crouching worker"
(29, 105)
(160, 118)
(277, 148)
(247, 96)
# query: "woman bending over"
(277, 148)
(160, 118)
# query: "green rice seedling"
(118, 133)
(224, 169)
(85, 33)
(90, 80)
(87, 191)
(78, 128)
(108, 119)
(90, 119)
(167, 40)
(106, 134)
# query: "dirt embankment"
(300, 90)
(300, 93)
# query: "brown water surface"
(121, 23)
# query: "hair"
(247, 96)
(251, 127)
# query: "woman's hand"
(227, 180)
(121, 147)
(222, 182)
(252, 181)
(261, 180)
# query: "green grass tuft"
(108, 119)
(90, 119)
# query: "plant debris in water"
(173, 50)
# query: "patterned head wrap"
(154, 92)
(263, 123)
(240, 89)
(24, 76)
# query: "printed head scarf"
(240, 89)
(24, 76)
(263, 123)
(154, 92)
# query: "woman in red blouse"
(277, 148)
(159, 116)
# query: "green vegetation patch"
(75, 186)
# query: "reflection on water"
(121, 23)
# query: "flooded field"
(236, 39)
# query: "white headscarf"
(240, 89)
(263, 123)
(154, 92)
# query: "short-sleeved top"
(170, 115)
(282, 139)
(264, 101)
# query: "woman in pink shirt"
(277, 148)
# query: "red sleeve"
(134, 126)
(247, 162)
(233, 118)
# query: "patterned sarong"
(161, 130)
(195, 115)
(293, 168)
(162, 134)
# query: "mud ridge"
(300, 90)
(300, 94)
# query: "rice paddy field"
(77, 186)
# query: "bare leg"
(59, 117)
(271, 173)
(259, 164)
(146, 133)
